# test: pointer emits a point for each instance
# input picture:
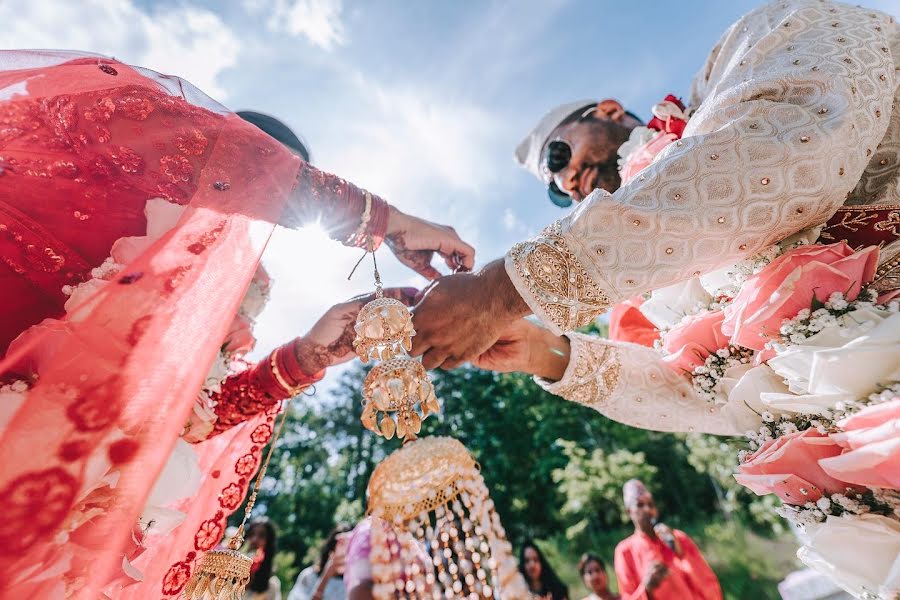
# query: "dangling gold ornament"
(384, 330)
(394, 393)
(435, 533)
(224, 574)
(397, 393)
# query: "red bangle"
(378, 222)
(264, 379)
(289, 365)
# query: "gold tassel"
(224, 574)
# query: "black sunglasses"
(559, 154)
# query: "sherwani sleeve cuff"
(592, 374)
(553, 280)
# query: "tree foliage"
(551, 466)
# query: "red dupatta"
(122, 381)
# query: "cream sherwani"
(796, 114)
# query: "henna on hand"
(417, 260)
(311, 356)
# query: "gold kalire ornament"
(435, 533)
(397, 393)
(394, 393)
(384, 330)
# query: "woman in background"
(543, 582)
(325, 580)
(262, 542)
(593, 574)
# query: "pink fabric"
(628, 324)
(689, 343)
(641, 158)
(358, 567)
(871, 443)
(789, 468)
(85, 142)
(789, 284)
(689, 575)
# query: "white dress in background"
(306, 585)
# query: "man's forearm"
(506, 303)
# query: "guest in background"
(261, 539)
(658, 563)
(325, 580)
(542, 580)
(593, 574)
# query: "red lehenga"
(97, 392)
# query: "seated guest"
(593, 574)
(542, 580)
(658, 563)
(325, 580)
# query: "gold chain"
(238, 539)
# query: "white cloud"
(319, 21)
(182, 40)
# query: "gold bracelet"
(292, 390)
(360, 232)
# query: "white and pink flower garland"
(808, 359)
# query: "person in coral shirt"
(658, 563)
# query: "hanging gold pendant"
(384, 330)
(399, 389)
(222, 575)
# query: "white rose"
(861, 554)
(162, 216)
(848, 358)
(744, 384)
(180, 478)
(667, 306)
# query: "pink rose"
(644, 156)
(628, 324)
(789, 468)
(789, 284)
(240, 338)
(689, 343)
(871, 442)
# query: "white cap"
(528, 152)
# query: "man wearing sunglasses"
(796, 111)
(574, 149)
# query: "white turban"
(632, 490)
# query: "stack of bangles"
(280, 375)
(372, 224)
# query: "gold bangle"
(292, 390)
(360, 233)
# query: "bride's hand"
(330, 341)
(414, 242)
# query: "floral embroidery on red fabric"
(191, 142)
(231, 496)
(176, 578)
(135, 107)
(261, 434)
(246, 465)
(101, 111)
(35, 504)
(128, 160)
(94, 408)
(176, 167)
(209, 533)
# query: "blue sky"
(420, 102)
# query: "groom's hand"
(463, 315)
